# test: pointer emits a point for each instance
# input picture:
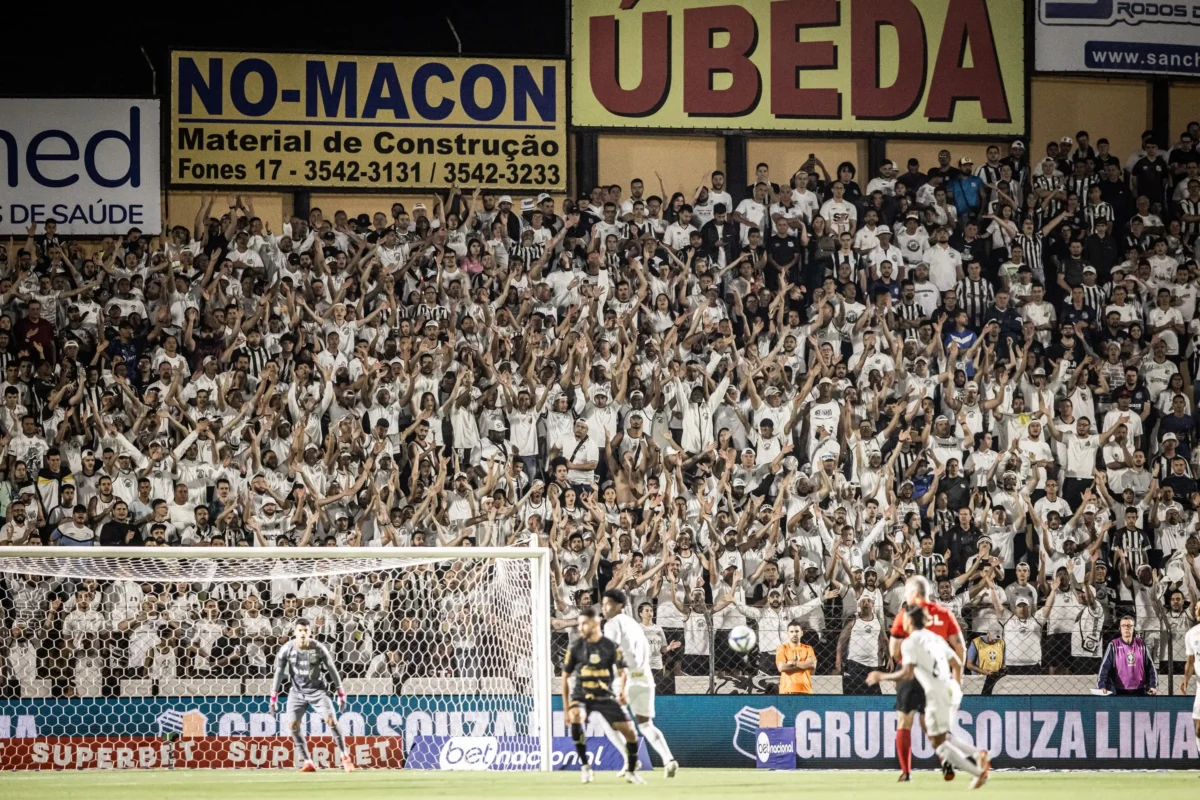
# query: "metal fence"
(1011, 656)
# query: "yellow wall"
(1118, 110)
(786, 155)
(683, 162)
(926, 152)
(1185, 108)
(181, 207)
(355, 204)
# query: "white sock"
(961, 746)
(951, 753)
(618, 740)
(656, 739)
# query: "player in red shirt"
(910, 697)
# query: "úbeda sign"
(945, 67)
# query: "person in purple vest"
(1127, 668)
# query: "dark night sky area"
(93, 48)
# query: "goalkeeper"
(310, 666)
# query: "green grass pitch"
(690, 784)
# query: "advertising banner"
(214, 752)
(478, 753)
(1161, 38)
(938, 67)
(775, 748)
(366, 122)
(828, 731)
(91, 166)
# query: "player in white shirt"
(628, 635)
(928, 658)
(1191, 643)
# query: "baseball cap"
(965, 160)
(882, 229)
(1089, 268)
(1170, 437)
(1089, 509)
(504, 199)
(1018, 143)
(527, 204)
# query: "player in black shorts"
(594, 663)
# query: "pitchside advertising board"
(366, 122)
(934, 67)
(1053, 732)
(91, 166)
(1118, 36)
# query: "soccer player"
(596, 663)
(937, 668)
(1191, 643)
(310, 665)
(631, 640)
(910, 697)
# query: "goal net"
(164, 657)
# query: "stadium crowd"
(761, 405)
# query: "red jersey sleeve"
(898, 626)
(944, 622)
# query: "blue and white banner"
(478, 753)
(828, 731)
(775, 748)
(1161, 38)
(91, 166)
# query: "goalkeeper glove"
(274, 704)
(341, 700)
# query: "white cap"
(882, 229)
(504, 199)
(1089, 509)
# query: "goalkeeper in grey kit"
(310, 666)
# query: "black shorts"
(910, 696)
(612, 711)
(1056, 650)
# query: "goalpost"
(118, 657)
